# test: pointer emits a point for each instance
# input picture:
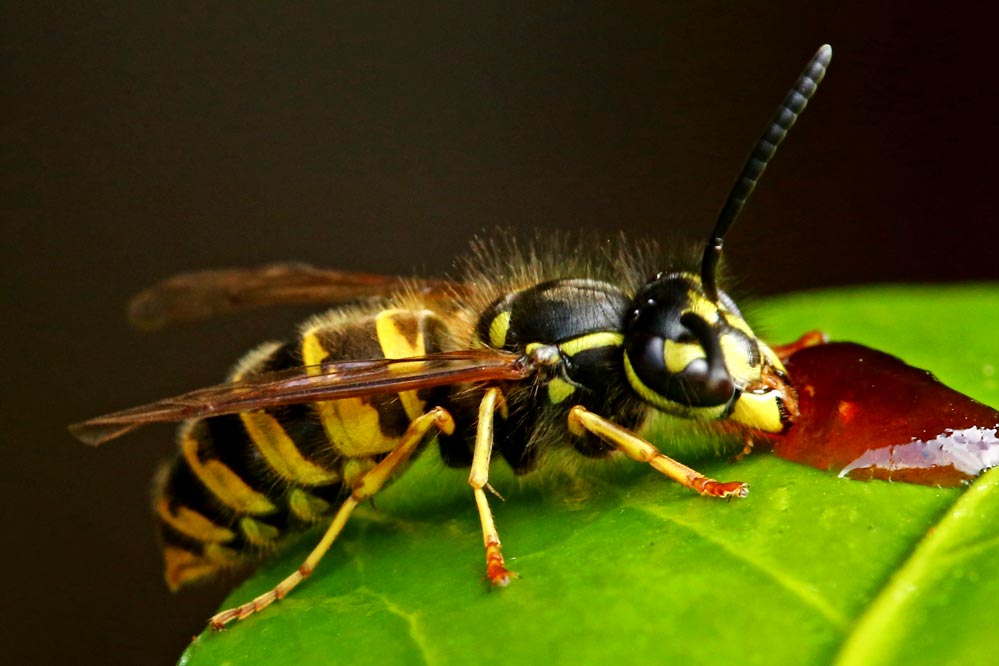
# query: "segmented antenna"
(788, 111)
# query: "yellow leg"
(366, 487)
(582, 421)
(478, 478)
(809, 339)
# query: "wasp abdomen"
(244, 481)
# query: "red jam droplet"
(867, 415)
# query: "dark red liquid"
(866, 414)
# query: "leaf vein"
(411, 619)
(796, 587)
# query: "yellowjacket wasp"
(530, 351)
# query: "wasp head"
(690, 355)
(687, 349)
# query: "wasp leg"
(365, 488)
(747, 445)
(478, 478)
(809, 339)
(582, 421)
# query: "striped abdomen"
(244, 481)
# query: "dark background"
(141, 141)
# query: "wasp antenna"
(788, 111)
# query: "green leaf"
(619, 565)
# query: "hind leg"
(365, 488)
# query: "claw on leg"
(496, 571)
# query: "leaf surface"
(618, 564)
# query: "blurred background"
(142, 140)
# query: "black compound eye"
(662, 331)
(645, 352)
(703, 382)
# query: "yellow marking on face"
(664, 404)
(307, 506)
(280, 451)
(351, 424)
(702, 307)
(559, 390)
(183, 567)
(591, 341)
(395, 343)
(679, 355)
(759, 410)
(737, 360)
(258, 533)
(225, 484)
(738, 322)
(498, 329)
(698, 413)
(771, 356)
(192, 524)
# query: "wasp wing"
(328, 381)
(203, 294)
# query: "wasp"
(532, 350)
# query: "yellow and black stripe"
(244, 481)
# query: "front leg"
(582, 421)
(809, 339)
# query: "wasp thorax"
(673, 349)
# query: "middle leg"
(478, 478)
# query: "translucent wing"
(203, 294)
(329, 381)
